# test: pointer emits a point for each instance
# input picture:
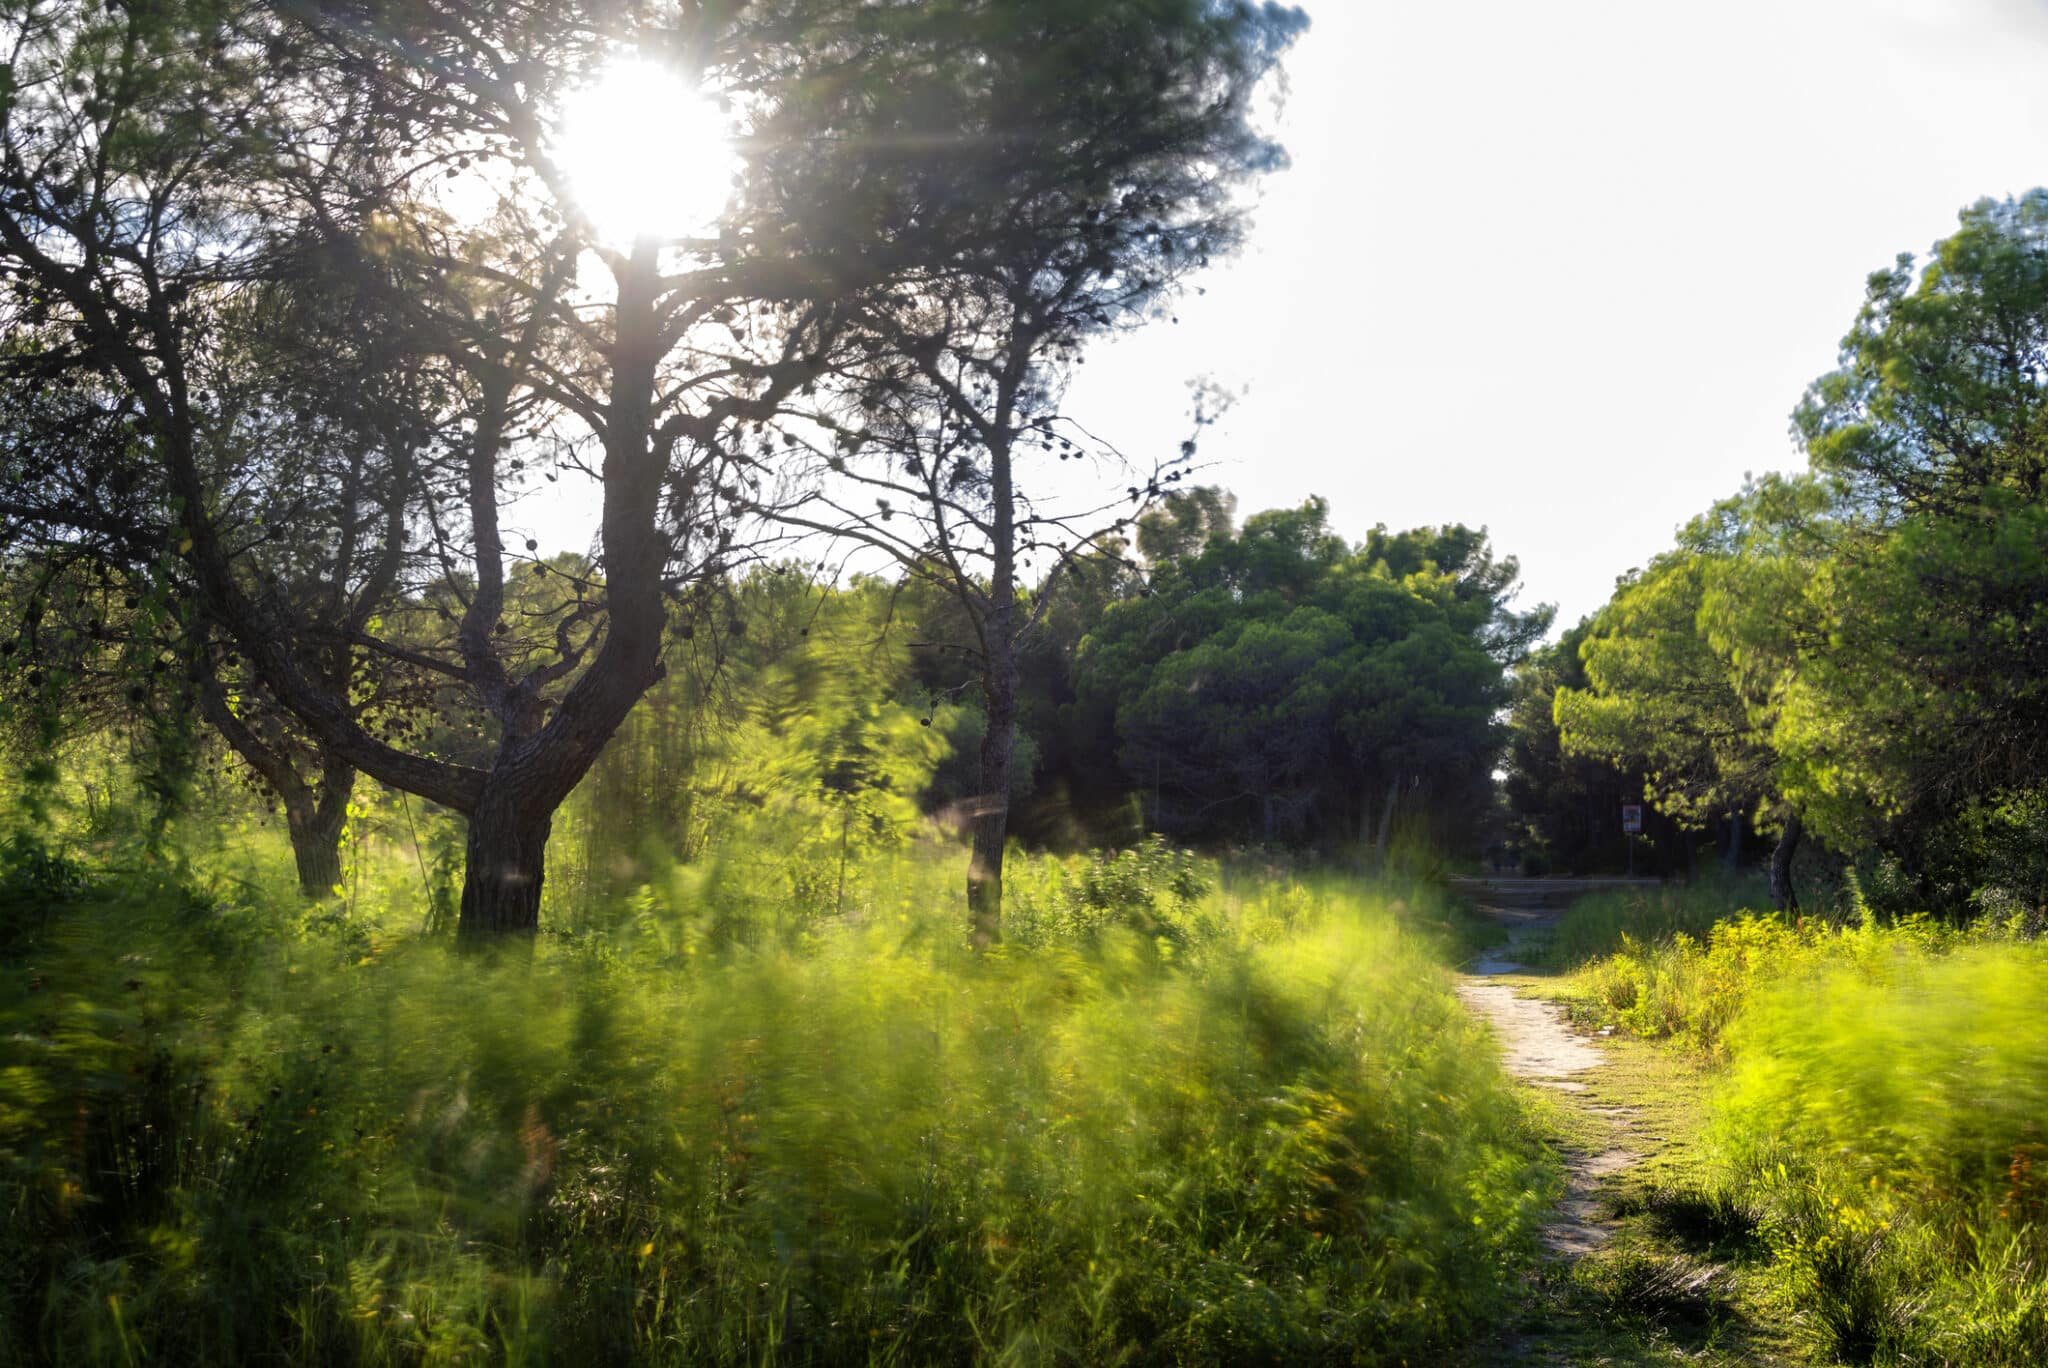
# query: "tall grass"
(1222, 1124)
(1882, 1110)
(1693, 987)
(1893, 1126)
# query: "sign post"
(1631, 827)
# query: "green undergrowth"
(1665, 969)
(1602, 923)
(1879, 1116)
(1193, 1117)
(1890, 1122)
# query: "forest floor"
(1637, 1269)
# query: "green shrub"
(1150, 889)
(1690, 984)
(35, 885)
(1884, 1117)
(1692, 988)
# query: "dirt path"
(1539, 1045)
(1639, 1273)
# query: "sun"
(646, 152)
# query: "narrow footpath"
(1622, 1116)
(1540, 1045)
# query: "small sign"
(1632, 818)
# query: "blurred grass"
(1191, 1115)
(1880, 1114)
(1891, 1117)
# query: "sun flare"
(646, 153)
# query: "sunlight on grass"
(1880, 1114)
(1223, 1124)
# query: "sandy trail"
(1538, 1044)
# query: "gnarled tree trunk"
(314, 815)
(315, 821)
(316, 851)
(542, 756)
(506, 865)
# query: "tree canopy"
(1276, 682)
(922, 188)
(1861, 648)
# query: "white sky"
(1564, 269)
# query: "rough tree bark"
(315, 818)
(506, 865)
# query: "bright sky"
(1564, 269)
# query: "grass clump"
(1691, 985)
(228, 1134)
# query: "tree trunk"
(991, 819)
(540, 757)
(316, 847)
(999, 685)
(507, 860)
(316, 819)
(314, 815)
(1734, 840)
(1783, 896)
(1379, 847)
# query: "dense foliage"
(1561, 807)
(1277, 682)
(1854, 651)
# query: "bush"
(1882, 1118)
(1151, 890)
(1693, 987)
(35, 885)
